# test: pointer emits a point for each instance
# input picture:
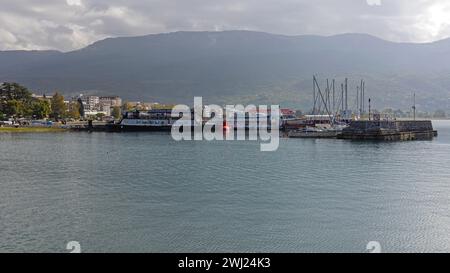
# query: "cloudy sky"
(71, 24)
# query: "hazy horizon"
(231, 30)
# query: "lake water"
(144, 192)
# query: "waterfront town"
(17, 103)
(21, 107)
(25, 110)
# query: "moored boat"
(152, 120)
(313, 132)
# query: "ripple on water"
(146, 192)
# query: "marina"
(400, 130)
(332, 116)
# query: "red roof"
(287, 112)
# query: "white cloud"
(436, 19)
(74, 2)
(374, 2)
(8, 39)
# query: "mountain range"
(240, 67)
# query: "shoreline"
(8, 129)
(32, 130)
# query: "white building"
(99, 105)
(111, 101)
(107, 103)
(91, 102)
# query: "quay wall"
(416, 126)
(389, 130)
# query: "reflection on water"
(146, 192)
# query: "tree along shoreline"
(17, 102)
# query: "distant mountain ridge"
(239, 67)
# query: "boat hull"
(138, 128)
(324, 134)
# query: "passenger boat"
(162, 120)
(152, 120)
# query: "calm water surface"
(145, 192)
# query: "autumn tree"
(74, 110)
(126, 106)
(58, 106)
(116, 112)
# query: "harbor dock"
(389, 130)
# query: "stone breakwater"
(389, 130)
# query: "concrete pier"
(389, 130)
